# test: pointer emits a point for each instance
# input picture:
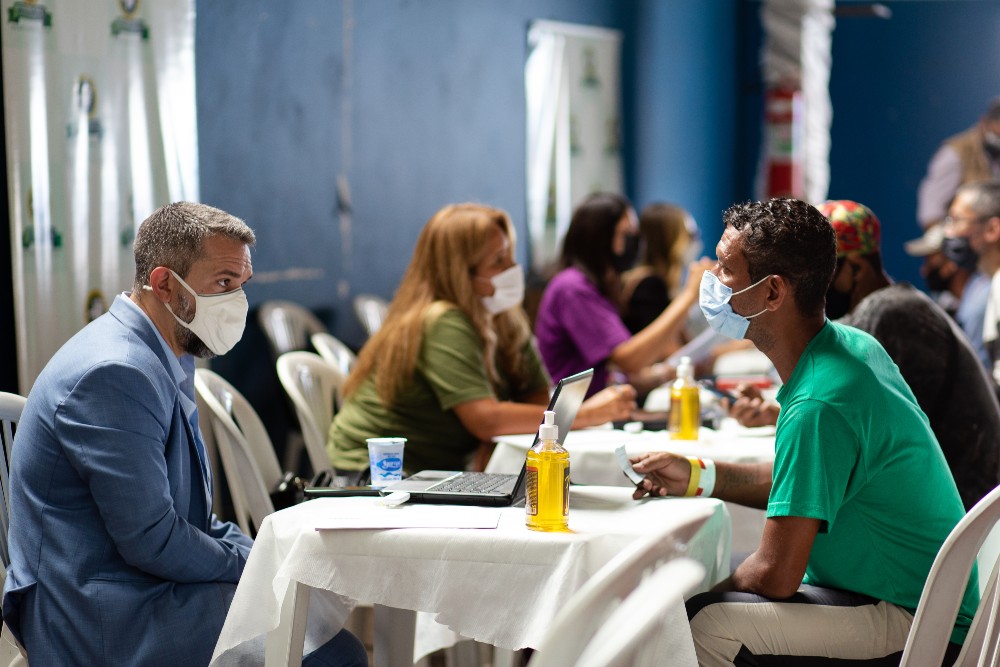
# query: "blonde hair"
(664, 231)
(438, 279)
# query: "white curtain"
(572, 90)
(100, 129)
(797, 54)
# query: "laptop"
(494, 489)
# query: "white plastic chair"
(312, 384)
(943, 591)
(11, 406)
(288, 325)
(248, 458)
(632, 626)
(371, 311)
(334, 352)
(590, 606)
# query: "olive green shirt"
(450, 370)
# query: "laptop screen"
(566, 401)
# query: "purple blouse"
(577, 328)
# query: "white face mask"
(219, 319)
(508, 290)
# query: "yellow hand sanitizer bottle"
(546, 503)
(685, 406)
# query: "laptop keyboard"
(474, 482)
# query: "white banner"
(573, 97)
(99, 99)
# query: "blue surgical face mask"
(714, 301)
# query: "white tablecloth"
(592, 461)
(500, 587)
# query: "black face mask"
(935, 281)
(626, 260)
(837, 303)
(960, 251)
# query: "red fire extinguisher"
(783, 119)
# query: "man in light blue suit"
(116, 557)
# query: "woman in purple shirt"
(578, 325)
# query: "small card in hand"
(622, 457)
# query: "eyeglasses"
(949, 221)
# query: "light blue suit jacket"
(116, 558)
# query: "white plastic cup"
(385, 456)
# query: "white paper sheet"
(355, 517)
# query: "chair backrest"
(587, 610)
(334, 352)
(632, 625)
(312, 384)
(370, 311)
(288, 325)
(248, 458)
(944, 589)
(11, 406)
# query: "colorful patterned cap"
(858, 229)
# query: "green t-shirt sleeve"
(816, 453)
(451, 360)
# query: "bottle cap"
(684, 368)
(548, 430)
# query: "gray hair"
(984, 198)
(174, 236)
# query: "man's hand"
(666, 474)
(751, 409)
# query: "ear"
(160, 284)
(778, 289)
(991, 230)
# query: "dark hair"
(993, 110)
(174, 236)
(591, 234)
(790, 238)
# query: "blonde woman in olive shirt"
(454, 364)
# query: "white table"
(500, 586)
(592, 461)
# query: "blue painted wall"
(900, 86)
(684, 105)
(420, 103)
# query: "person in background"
(973, 223)
(115, 555)
(973, 155)
(949, 270)
(454, 364)
(579, 326)
(859, 497)
(668, 243)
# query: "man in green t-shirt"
(859, 498)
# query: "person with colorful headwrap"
(931, 351)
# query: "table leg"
(395, 630)
(284, 643)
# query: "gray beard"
(186, 338)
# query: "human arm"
(944, 174)
(486, 418)
(776, 568)
(653, 343)
(115, 427)
(752, 409)
(668, 474)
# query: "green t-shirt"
(854, 449)
(450, 370)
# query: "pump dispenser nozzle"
(548, 430)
